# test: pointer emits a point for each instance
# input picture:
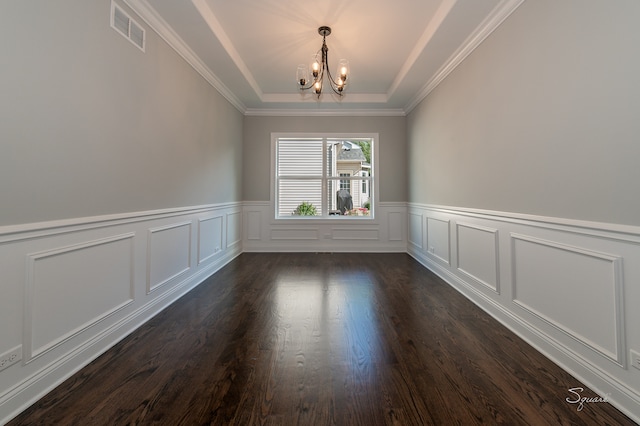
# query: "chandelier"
(320, 66)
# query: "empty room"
(274, 212)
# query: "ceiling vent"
(122, 22)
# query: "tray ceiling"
(398, 51)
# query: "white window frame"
(345, 182)
(373, 174)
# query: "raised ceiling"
(398, 51)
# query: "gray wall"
(543, 118)
(90, 125)
(391, 149)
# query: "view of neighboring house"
(307, 176)
(351, 162)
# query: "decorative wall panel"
(386, 232)
(234, 229)
(169, 253)
(71, 288)
(210, 241)
(397, 226)
(438, 239)
(416, 233)
(253, 230)
(574, 289)
(292, 233)
(565, 286)
(477, 254)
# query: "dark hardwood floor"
(320, 339)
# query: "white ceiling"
(398, 51)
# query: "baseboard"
(507, 264)
(525, 255)
(150, 261)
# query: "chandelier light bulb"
(302, 75)
(343, 69)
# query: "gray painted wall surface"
(90, 125)
(543, 118)
(392, 149)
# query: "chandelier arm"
(333, 83)
(314, 80)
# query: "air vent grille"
(126, 26)
(136, 34)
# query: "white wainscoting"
(478, 254)
(210, 237)
(386, 233)
(168, 254)
(569, 288)
(89, 282)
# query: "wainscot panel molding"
(439, 239)
(478, 254)
(108, 275)
(386, 233)
(58, 279)
(168, 254)
(210, 238)
(569, 288)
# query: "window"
(345, 183)
(365, 183)
(323, 177)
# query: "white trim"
(619, 356)
(151, 287)
(605, 370)
(432, 249)
(238, 240)
(29, 231)
(29, 352)
(268, 235)
(214, 25)
(373, 177)
(53, 361)
(19, 397)
(584, 370)
(494, 287)
(217, 250)
(626, 232)
(148, 14)
(489, 25)
(432, 27)
(131, 22)
(267, 112)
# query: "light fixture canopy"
(319, 67)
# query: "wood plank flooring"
(320, 339)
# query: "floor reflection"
(329, 318)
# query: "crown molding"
(435, 23)
(282, 112)
(489, 25)
(308, 97)
(148, 14)
(215, 26)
